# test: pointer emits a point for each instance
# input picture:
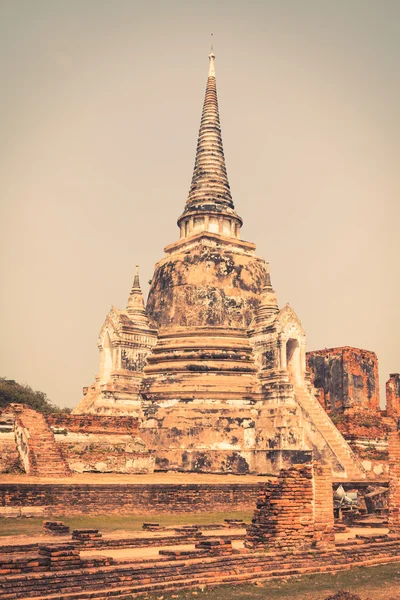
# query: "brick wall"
(393, 395)
(94, 424)
(394, 482)
(284, 517)
(345, 377)
(78, 499)
(323, 506)
(294, 512)
(170, 573)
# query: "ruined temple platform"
(62, 571)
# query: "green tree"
(13, 392)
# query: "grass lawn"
(373, 583)
(109, 523)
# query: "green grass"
(108, 523)
(378, 583)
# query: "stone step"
(333, 437)
(43, 456)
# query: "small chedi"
(125, 341)
(212, 367)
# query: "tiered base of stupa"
(227, 435)
(118, 396)
(207, 407)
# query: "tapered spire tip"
(211, 64)
(136, 283)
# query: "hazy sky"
(100, 106)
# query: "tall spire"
(209, 192)
(135, 306)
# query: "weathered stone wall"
(155, 499)
(374, 456)
(394, 482)
(393, 395)
(94, 424)
(9, 456)
(88, 443)
(101, 443)
(104, 453)
(345, 378)
(207, 284)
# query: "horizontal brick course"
(131, 498)
(179, 571)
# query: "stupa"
(212, 366)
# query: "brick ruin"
(54, 571)
(71, 498)
(346, 381)
(56, 445)
(102, 444)
(393, 396)
(291, 534)
(394, 482)
(295, 512)
(39, 453)
(345, 378)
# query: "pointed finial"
(135, 307)
(211, 66)
(136, 283)
(268, 285)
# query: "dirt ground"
(373, 583)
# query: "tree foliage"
(13, 392)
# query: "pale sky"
(100, 107)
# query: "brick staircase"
(390, 422)
(332, 436)
(36, 445)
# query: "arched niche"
(106, 359)
(292, 345)
(293, 361)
